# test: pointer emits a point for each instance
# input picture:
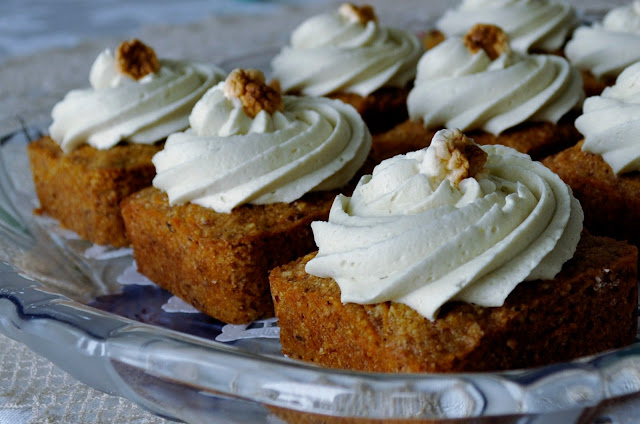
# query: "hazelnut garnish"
(362, 14)
(249, 86)
(136, 59)
(490, 38)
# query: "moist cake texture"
(610, 202)
(588, 308)
(537, 139)
(83, 189)
(219, 262)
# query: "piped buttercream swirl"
(455, 88)
(227, 158)
(610, 122)
(119, 108)
(606, 48)
(531, 24)
(333, 53)
(412, 235)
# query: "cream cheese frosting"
(119, 108)
(456, 88)
(610, 122)
(413, 234)
(606, 48)
(531, 24)
(333, 52)
(228, 158)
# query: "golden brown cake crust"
(219, 262)
(592, 85)
(541, 322)
(611, 203)
(537, 139)
(297, 417)
(83, 189)
(432, 38)
(380, 110)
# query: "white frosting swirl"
(610, 122)
(330, 53)
(606, 49)
(409, 235)
(118, 108)
(455, 88)
(227, 158)
(530, 24)
(623, 18)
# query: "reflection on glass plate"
(87, 309)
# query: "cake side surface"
(83, 189)
(380, 110)
(594, 86)
(219, 262)
(541, 322)
(291, 416)
(537, 139)
(610, 202)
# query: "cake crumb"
(363, 14)
(136, 59)
(490, 38)
(249, 86)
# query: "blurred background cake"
(478, 84)
(351, 55)
(603, 49)
(603, 169)
(533, 26)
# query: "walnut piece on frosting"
(490, 38)
(362, 14)
(136, 59)
(249, 86)
(460, 156)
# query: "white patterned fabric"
(34, 391)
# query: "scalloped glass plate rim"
(104, 337)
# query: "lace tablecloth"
(47, 50)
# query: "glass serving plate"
(63, 298)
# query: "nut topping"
(136, 59)
(362, 14)
(462, 158)
(490, 38)
(249, 86)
